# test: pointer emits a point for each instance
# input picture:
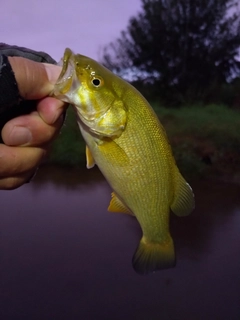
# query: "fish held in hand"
(125, 138)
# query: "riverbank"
(205, 141)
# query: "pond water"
(64, 256)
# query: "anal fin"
(116, 205)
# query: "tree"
(185, 48)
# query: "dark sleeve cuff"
(9, 93)
(16, 51)
(11, 104)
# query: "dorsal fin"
(183, 202)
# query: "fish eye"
(97, 82)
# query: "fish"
(125, 139)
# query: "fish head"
(90, 88)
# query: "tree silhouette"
(184, 48)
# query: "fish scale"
(126, 140)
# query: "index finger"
(35, 80)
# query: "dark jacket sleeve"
(15, 51)
(11, 104)
(9, 95)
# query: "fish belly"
(140, 177)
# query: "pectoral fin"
(111, 150)
(89, 158)
(183, 202)
(116, 205)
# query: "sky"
(85, 26)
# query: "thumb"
(35, 80)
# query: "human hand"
(27, 137)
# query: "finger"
(35, 80)
(18, 160)
(14, 182)
(37, 128)
(30, 130)
(50, 109)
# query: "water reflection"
(67, 178)
(63, 256)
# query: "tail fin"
(152, 256)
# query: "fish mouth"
(68, 81)
(72, 89)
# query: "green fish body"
(126, 140)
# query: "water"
(63, 256)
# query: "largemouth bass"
(125, 138)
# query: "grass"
(205, 140)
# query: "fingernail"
(53, 72)
(19, 136)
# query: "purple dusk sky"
(52, 25)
